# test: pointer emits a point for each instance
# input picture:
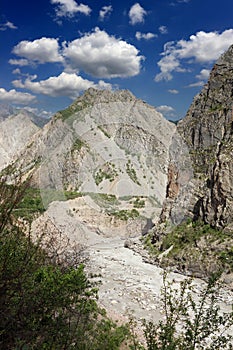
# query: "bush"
(43, 304)
(190, 324)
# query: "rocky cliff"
(207, 132)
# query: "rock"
(113, 149)
(200, 183)
(15, 135)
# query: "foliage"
(107, 173)
(195, 246)
(77, 145)
(43, 304)
(139, 203)
(189, 323)
(104, 131)
(32, 203)
(132, 173)
(72, 109)
(125, 214)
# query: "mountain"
(5, 111)
(207, 131)
(36, 119)
(112, 150)
(15, 133)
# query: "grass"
(77, 145)
(34, 203)
(196, 247)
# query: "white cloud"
(173, 91)
(13, 96)
(163, 29)
(167, 111)
(167, 64)
(204, 74)
(16, 71)
(105, 12)
(146, 36)
(137, 14)
(68, 8)
(201, 48)
(202, 77)
(103, 56)
(197, 84)
(7, 25)
(63, 85)
(40, 50)
(19, 62)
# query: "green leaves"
(44, 305)
(192, 322)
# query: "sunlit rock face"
(207, 131)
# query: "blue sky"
(161, 50)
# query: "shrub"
(190, 324)
(44, 303)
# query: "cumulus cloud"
(167, 64)
(146, 36)
(16, 97)
(173, 91)
(66, 84)
(105, 12)
(103, 56)
(167, 111)
(95, 53)
(40, 50)
(68, 8)
(201, 48)
(163, 30)
(137, 14)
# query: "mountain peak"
(93, 95)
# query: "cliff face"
(207, 131)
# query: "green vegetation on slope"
(196, 247)
(45, 304)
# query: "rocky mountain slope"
(15, 133)
(110, 149)
(207, 131)
(5, 111)
(8, 110)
